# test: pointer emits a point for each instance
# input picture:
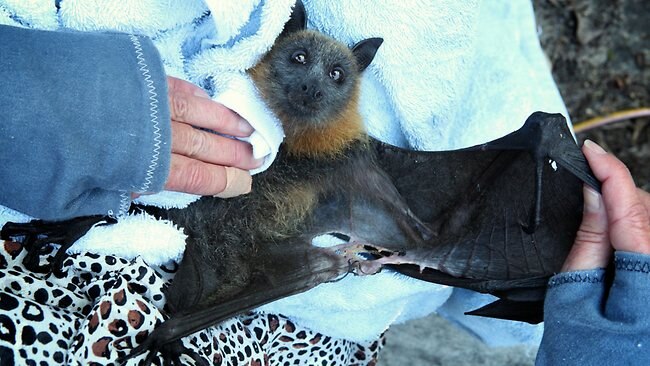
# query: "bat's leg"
(536, 211)
(36, 234)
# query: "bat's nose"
(313, 92)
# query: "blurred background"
(599, 52)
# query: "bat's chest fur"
(279, 205)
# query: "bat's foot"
(37, 234)
(368, 259)
(171, 353)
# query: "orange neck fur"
(333, 139)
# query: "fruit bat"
(496, 218)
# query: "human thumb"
(591, 248)
(629, 220)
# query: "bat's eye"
(299, 57)
(337, 74)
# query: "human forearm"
(79, 114)
(587, 325)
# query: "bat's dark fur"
(472, 218)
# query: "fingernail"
(238, 182)
(593, 200)
(201, 93)
(245, 127)
(594, 147)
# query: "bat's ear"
(297, 21)
(365, 51)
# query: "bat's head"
(311, 82)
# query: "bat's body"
(497, 218)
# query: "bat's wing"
(198, 297)
(497, 218)
(505, 210)
(505, 213)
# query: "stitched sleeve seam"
(125, 203)
(569, 278)
(624, 264)
(153, 115)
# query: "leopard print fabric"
(100, 307)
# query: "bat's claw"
(37, 234)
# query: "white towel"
(449, 74)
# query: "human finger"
(591, 248)
(628, 219)
(176, 85)
(212, 148)
(197, 177)
(187, 104)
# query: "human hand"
(619, 219)
(202, 162)
(590, 317)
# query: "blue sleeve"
(84, 121)
(590, 319)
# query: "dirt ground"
(600, 55)
(600, 52)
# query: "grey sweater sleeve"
(591, 319)
(84, 121)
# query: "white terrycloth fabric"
(127, 239)
(362, 308)
(239, 94)
(449, 74)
